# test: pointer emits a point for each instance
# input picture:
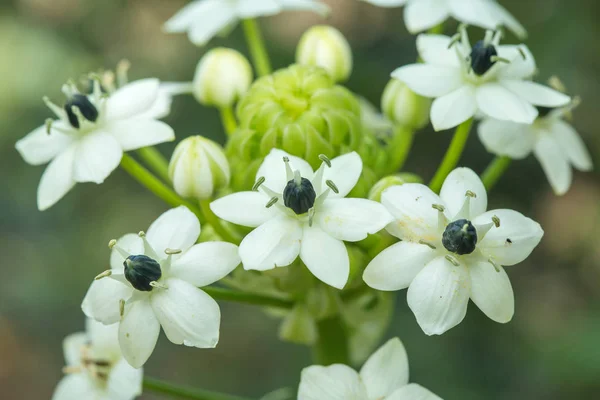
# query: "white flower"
(301, 212)
(153, 282)
(420, 15)
(554, 142)
(87, 142)
(96, 368)
(326, 47)
(203, 19)
(487, 79)
(451, 250)
(384, 376)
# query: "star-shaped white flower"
(384, 376)
(203, 19)
(420, 15)
(96, 368)
(451, 250)
(153, 282)
(87, 141)
(486, 79)
(554, 142)
(301, 212)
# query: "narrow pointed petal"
(430, 80)
(454, 190)
(335, 382)
(132, 99)
(97, 155)
(39, 147)
(132, 244)
(138, 332)
(492, 291)
(572, 145)
(454, 108)
(101, 301)
(273, 169)
(554, 163)
(386, 370)
(325, 256)
(136, 133)
(507, 138)
(438, 296)
(206, 263)
(177, 228)
(535, 93)
(344, 172)
(413, 391)
(244, 208)
(57, 179)
(498, 102)
(75, 387)
(435, 49)
(424, 14)
(124, 382)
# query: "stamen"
(455, 39)
(104, 274)
(496, 266)
(170, 252)
(297, 178)
(426, 243)
(259, 182)
(487, 40)
(58, 111)
(470, 194)
(112, 244)
(453, 260)
(557, 84)
(49, 122)
(289, 174)
(122, 69)
(157, 285)
(147, 246)
(497, 36)
(330, 183)
(522, 52)
(438, 207)
(71, 369)
(325, 159)
(121, 307)
(272, 201)
(311, 214)
(496, 221)
(499, 59)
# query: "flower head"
(301, 212)
(96, 368)
(488, 78)
(384, 376)
(87, 141)
(451, 250)
(153, 282)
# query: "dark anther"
(481, 57)
(140, 271)
(299, 197)
(88, 110)
(460, 237)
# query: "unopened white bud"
(324, 46)
(222, 77)
(198, 167)
(403, 106)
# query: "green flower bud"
(324, 46)
(198, 168)
(299, 326)
(405, 107)
(222, 77)
(392, 180)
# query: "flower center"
(483, 57)
(460, 237)
(142, 271)
(79, 105)
(299, 195)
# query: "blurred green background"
(551, 349)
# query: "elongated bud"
(324, 46)
(222, 77)
(198, 168)
(392, 180)
(403, 106)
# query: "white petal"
(430, 80)
(507, 138)
(424, 14)
(513, 241)
(454, 190)
(138, 332)
(244, 208)
(535, 93)
(136, 133)
(492, 291)
(386, 370)
(177, 228)
(253, 9)
(412, 391)
(276, 243)
(454, 108)
(192, 14)
(187, 314)
(162, 105)
(104, 339)
(124, 382)
(305, 5)
(336, 382)
(72, 346)
(410, 204)
(101, 301)
(572, 145)
(507, 19)
(498, 102)
(519, 67)
(75, 387)
(554, 163)
(345, 171)
(132, 99)
(206, 263)
(395, 267)
(438, 296)
(132, 244)
(39, 147)
(475, 12)
(208, 25)
(352, 219)
(97, 155)
(387, 3)
(325, 256)
(435, 49)
(57, 179)
(273, 169)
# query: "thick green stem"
(155, 161)
(332, 345)
(247, 298)
(216, 223)
(152, 183)
(452, 155)
(228, 120)
(399, 148)
(494, 171)
(259, 54)
(184, 392)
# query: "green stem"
(256, 44)
(399, 148)
(152, 183)
(215, 222)
(452, 155)
(228, 120)
(156, 161)
(184, 392)
(332, 345)
(494, 171)
(247, 298)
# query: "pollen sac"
(460, 237)
(481, 57)
(88, 110)
(140, 271)
(299, 197)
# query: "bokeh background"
(551, 349)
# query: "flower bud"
(405, 107)
(392, 180)
(324, 46)
(299, 326)
(222, 77)
(198, 168)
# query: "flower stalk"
(255, 41)
(184, 392)
(332, 344)
(452, 155)
(246, 298)
(155, 161)
(228, 120)
(494, 171)
(399, 148)
(215, 222)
